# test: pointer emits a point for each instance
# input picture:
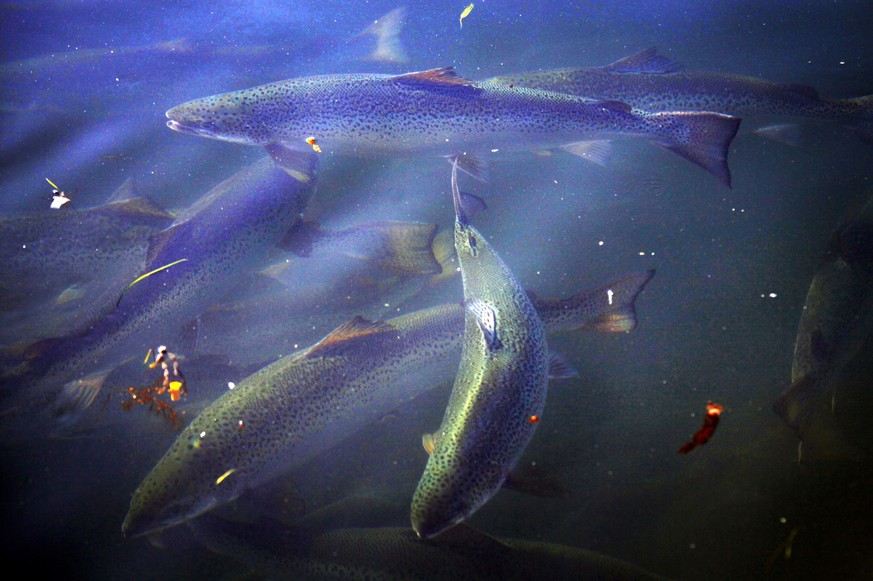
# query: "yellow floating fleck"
(159, 269)
(175, 390)
(225, 475)
(465, 13)
(146, 360)
(315, 146)
(139, 278)
(52, 184)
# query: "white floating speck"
(495, 150)
(203, 434)
(609, 294)
(230, 385)
(772, 295)
(642, 253)
(600, 243)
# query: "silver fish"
(652, 82)
(307, 402)
(837, 318)
(437, 112)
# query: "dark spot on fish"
(471, 240)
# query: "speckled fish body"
(230, 230)
(309, 401)
(436, 112)
(57, 264)
(836, 319)
(501, 383)
(651, 82)
(293, 409)
(395, 554)
(53, 249)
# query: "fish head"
(182, 486)
(233, 117)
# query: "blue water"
(80, 106)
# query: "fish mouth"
(134, 526)
(188, 129)
(209, 133)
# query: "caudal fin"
(608, 308)
(701, 138)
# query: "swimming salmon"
(392, 553)
(307, 402)
(437, 112)
(232, 228)
(837, 318)
(652, 82)
(50, 258)
(499, 391)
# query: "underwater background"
(84, 86)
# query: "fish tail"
(409, 248)
(609, 308)
(701, 138)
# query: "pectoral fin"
(428, 442)
(599, 151)
(559, 366)
(486, 317)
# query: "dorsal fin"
(346, 335)
(442, 78)
(162, 240)
(644, 62)
(137, 209)
(126, 191)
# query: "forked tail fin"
(701, 138)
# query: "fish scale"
(500, 385)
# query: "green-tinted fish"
(499, 392)
(652, 82)
(437, 112)
(307, 402)
(837, 317)
(395, 554)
